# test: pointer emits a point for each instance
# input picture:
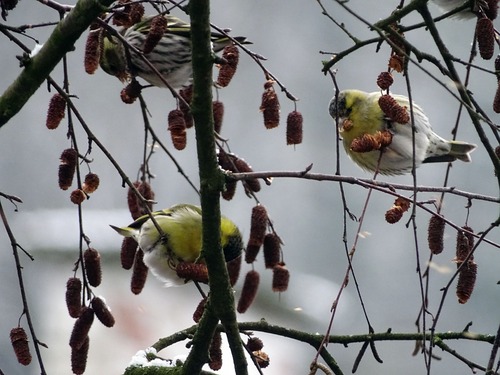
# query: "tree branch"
(38, 68)
(221, 298)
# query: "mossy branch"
(38, 68)
(316, 340)
(221, 299)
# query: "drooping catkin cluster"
(395, 213)
(249, 291)
(131, 92)
(186, 93)
(128, 14)
(485, 35)
(192, 271)
(385, 80)
(127, 252)
(294, 126)
(270, 106)
(181, 118)
(255, 345)
(135, 204)
(74, 296)
(19, 341)
(93, 48)
(84, 315)
(218, 113)
(397, 59)
(393, 110)
(230, 56)
(131, 256)
(371, 142)
(66, 173)
(273, 258)
(435, 234)
(92, 262)
(485, 30)
(177, 128)
(67, 168)
(79, 340)
(465, 262)
(215, 352)
(56, 111)
(90, 183)
(139, 273)
(232, 163)
(156, 32)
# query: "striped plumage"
(171, 56)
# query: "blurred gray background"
(306, 214)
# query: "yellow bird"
(182, 226)
(359, 113)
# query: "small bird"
(359, 114)
(171, 56)
(475, 6)
(182, 241)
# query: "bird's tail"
(461, 150)
(125, 231)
